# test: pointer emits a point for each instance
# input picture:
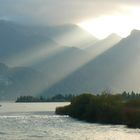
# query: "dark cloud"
(60, 11)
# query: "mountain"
(33, 47)
(103, 45)
(116, 69)
(15, 81)
(62, 63)
(71, 35)
(17, 39)
(35, 42)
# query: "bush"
(134, 103)
(132, 117)
(63, 110)
(104, 108)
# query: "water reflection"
(32, 122)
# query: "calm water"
(20, 121)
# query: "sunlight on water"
(32, 122)
(30, 107)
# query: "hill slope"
(19, 81)
(71, 35)
(61, 64)
(17, 39)
(103, 45)
(116, 69)
(35, 48)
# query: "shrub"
(132, 117)
(104, 108)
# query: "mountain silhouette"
(116, 69)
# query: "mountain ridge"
(109, 70)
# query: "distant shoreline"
(56, 98)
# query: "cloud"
(60, 11)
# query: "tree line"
(55, 98)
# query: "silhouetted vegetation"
(61, 98)
(30, 99)
(56, 98)
(106, 108)
(132, 95)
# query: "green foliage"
(132, 117)
(63, 110)
(61, 98)
(105, 108)
(79, 105)
(134, 103)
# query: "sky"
(99, 17)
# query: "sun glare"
(119, 24)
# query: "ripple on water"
(45, 125)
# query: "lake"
(37, 121)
